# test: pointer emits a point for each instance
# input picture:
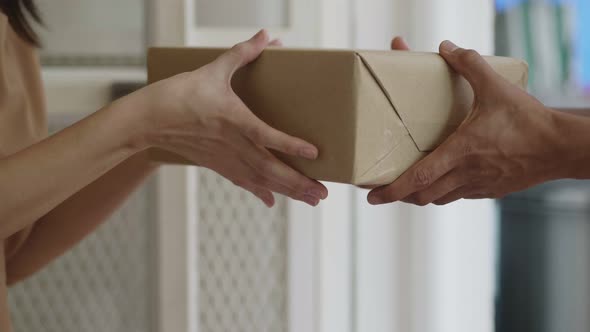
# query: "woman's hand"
(198, 116)
(508, 142)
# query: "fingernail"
(313, 201)
(448, 46)
(269, 201)
(403, 41)
(268, 204)
(308, 153)
(276, 42)
(260, 33)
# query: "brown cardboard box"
(372, 114)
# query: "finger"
(257, 165)
(418, 177)
(272, 170)
(252, 180)
(262, 186)
(453, 196)
(469, 64)
(262, 134)
(479, 196)
(243, 53)
(446, 184)
(238, 172)
(399, 44)
(288, 192)
(276, 42)
(263, 179)
(263, 194)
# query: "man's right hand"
(508, 142)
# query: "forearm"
(38, 179)
(71, 221)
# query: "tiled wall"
(242, 261)
(106, 283)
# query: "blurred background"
(189, 252)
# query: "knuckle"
(218, 124)
(238, 50)
(472, 166)
(485, 173)
(255, 133)
(466, 149)
(220, 127)
(479, 171)
(471, 171)
(266, 166)
(259, 180)
(422, 177)
(469, 57)
(454, 180)
(388, 196)
(292, 195)
(289, 146)
(301, 185)
(422, 200)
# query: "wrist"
(137, 114)
(572, 144)
(144, 162)
(159, 109)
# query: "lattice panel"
(104, 284)
(242, 259)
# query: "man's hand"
(507, 143)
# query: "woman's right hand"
(198, 116)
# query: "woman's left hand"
(198, 115)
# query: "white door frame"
(177, 248)
(177, 199)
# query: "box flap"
(430, 98)
(381, 138)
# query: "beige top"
(22, 123)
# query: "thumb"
(469, 64)
(243, 53)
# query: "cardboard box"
(372, 114)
